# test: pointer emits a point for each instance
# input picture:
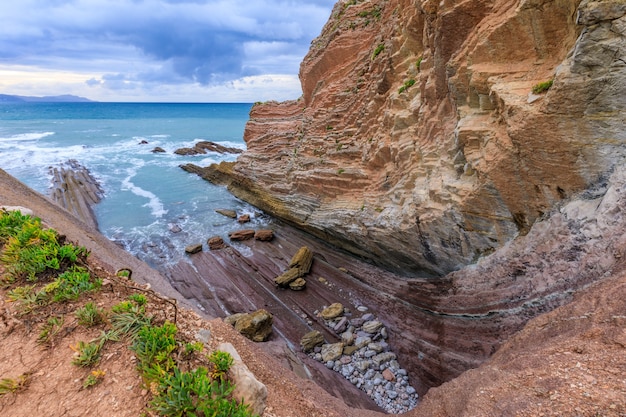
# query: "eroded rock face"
(417, 142)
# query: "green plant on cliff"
(406, 86)
(30, 250)
(378, 50)
(543, 86)
(418, 64)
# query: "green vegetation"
(378, 50)
(418, 64)
(541, 87)
(406, 86)
(40, 269)
(375, 13)
(8, 385)
(340, 171)
(89, 315)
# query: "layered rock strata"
(76, 190)
(418, 143)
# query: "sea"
(150, 206)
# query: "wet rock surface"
(204, 147)
(76, 190)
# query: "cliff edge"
(419, 143)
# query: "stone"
(372, 327)
(193, 248)
(362, 341)
(232, 319)
(244, 234)
(302, 260)
(25, 211)
(299, 284)
(244, 218)
(205, 146)
(158, 149)
(310, 340)
(228, 213)
(174, 228)
(388, 375)
(341, 325)
(248, 388)
(203, 335)
(287, 277)
(216, 243)
(349, 350)
(347, 338)
(256, 326)
(264, 235)
(332, 311)
(332, 352)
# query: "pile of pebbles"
(363, 357)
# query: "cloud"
(132, 43)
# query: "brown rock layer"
(417, 142)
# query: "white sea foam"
(154, 203)
(26, 136)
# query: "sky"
(158, 50)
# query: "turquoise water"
(147, 196)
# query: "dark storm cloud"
(172, 41)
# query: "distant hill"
(65, 98)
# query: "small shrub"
(94, 378)
(71, 284)
(194, 393)
(340, 171)
(138, 299)
(378, 50)
(87, 353)
(406, 85)
(50, 328)
(89, 315)
(154, 345)
(8, 385)
(418, 64)
(222, 361)
(191, 348)
(541, 87)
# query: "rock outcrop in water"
(418, 142)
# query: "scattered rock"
(298, 284)
(216, 243)
(310, 340)
(388, 375)
(302, 260)
(244, 218)
(232, 319)
(332, 352)
(332, 311)
(174, 228)
(228, 213)
(287, 277)
(247, 387)
(158, 149)
(255, 326)
(23, 210)
(372, 327)
(244, 234)
(194, 248)
(143, 142)
(205, 146)
(264, 235)
(204, 336)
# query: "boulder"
(332, 311)
(193, 248)
(247, 387)
(298, 284)
(205, 146)
(244, 234)
(174, 228)
(216, 243)
(310, 340)
(264, 235)
(302, 260)
(332, 352)
(372, 326)
(232, 319)
(158, 149)
(244, 218)
(287, 277)
(228, 213)
(255, 326)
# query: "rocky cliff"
(418, 142)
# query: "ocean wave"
(22, 137)
(154, 204)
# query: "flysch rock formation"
(418, 143)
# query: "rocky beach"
(447, 238)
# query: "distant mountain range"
(65, 98)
